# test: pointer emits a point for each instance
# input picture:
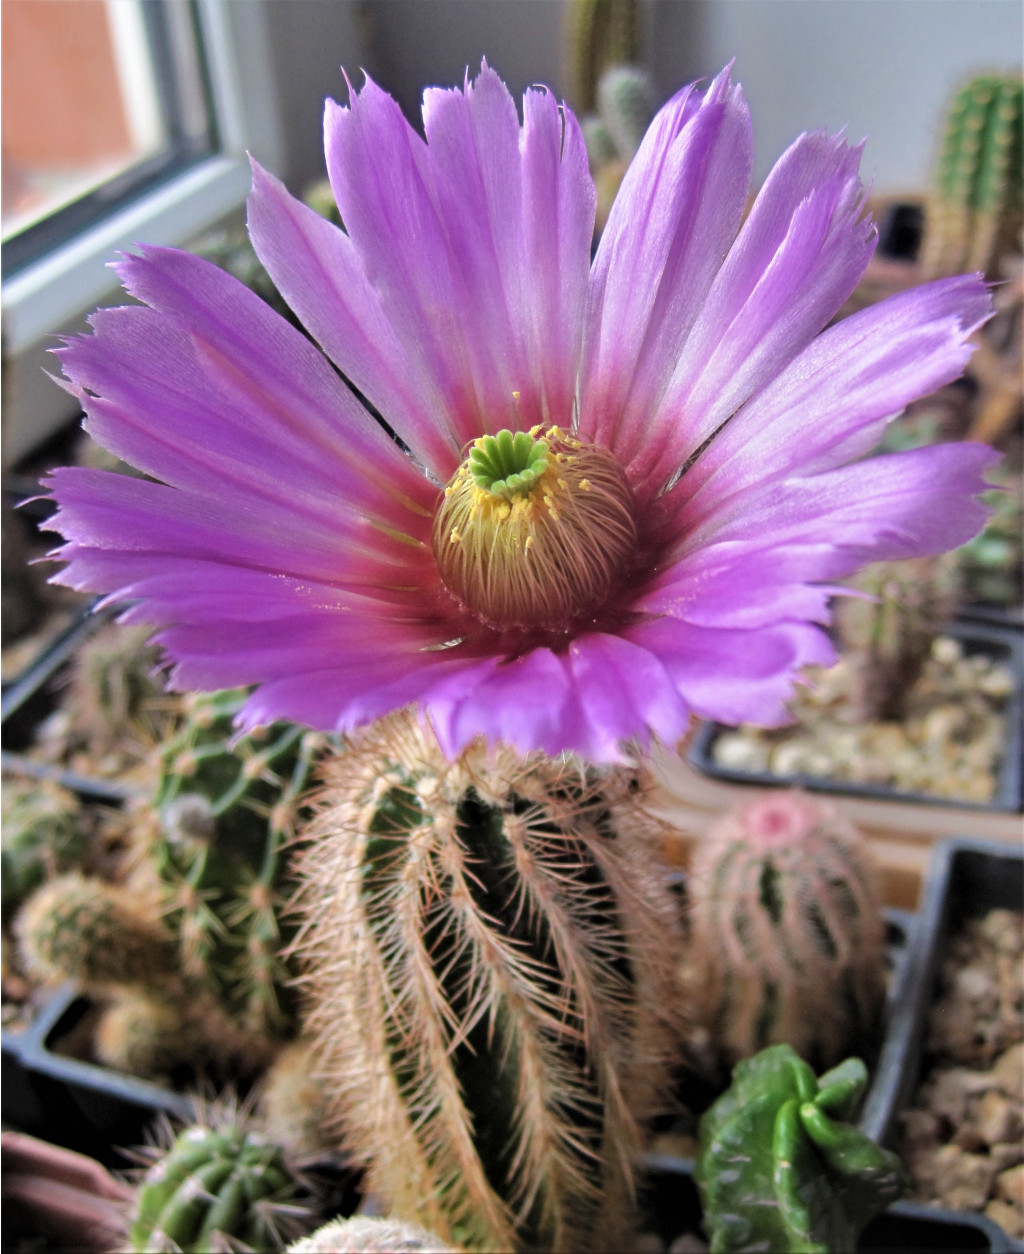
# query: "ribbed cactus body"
(489, 950)
(79, 928)
(787, 941)
(599, 33)
(363, 1235)
(216, 1189)
(226, 808)
(43, 833)
(888, 632)
(975, 212)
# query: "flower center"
(533, 530)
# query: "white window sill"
(69, 281)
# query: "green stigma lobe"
(507, 464)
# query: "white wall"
(882, 68)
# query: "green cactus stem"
(491, 964)
(44, 833)
(787, 937)
(227, 807)
(974, 215)
(888, 630)
(218, 1188)
(779, 1170)
(598, 34)
(80, 928)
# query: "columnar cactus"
(218, 1188)
(599, 33)
(489, 947)
(226, 808)
(975, 211)
(787, 941)
(779, 1170)
(887, 633)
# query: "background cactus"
(208, 861)
(226, 808)
(489, 948)
(626, 104)
(780, 1171)
(888, 631)
(787, 938)
(218, 1188)
(364, 1235)
(43, 833)
(974, 215)
(80, 928)
(598, 34)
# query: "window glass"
(99, 97)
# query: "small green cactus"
(80, 928)
(43, 834)
(626, 104)
(364, 1235)
(144, 1035)
(218, 1188)
(887, 631)
(974, 215)
(787, 937)
(226, 808)
(779, 1170)
(492, 979)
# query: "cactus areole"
(489, 946)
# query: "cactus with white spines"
(787, 937)
(490, 962)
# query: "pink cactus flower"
(621, 493)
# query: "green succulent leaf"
(778, 1173)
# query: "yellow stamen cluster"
(543, 545)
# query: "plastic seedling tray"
(1004, 643)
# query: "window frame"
(49, 296)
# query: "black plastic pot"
(966, 879)
(72, 1103)
(1005, 644)
(670, 1204)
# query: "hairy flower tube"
(622, 493)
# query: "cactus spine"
(217, 1189)
(974, 215)
(488, 945)
(227, 808)
(364, 1235)
(83, 929)
(787, 939)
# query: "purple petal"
(796, 260)
(673, 220)
(735, 676)
(832, 403)
(910, 504)
(625, 694)
(320, 275)
(458, 237)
